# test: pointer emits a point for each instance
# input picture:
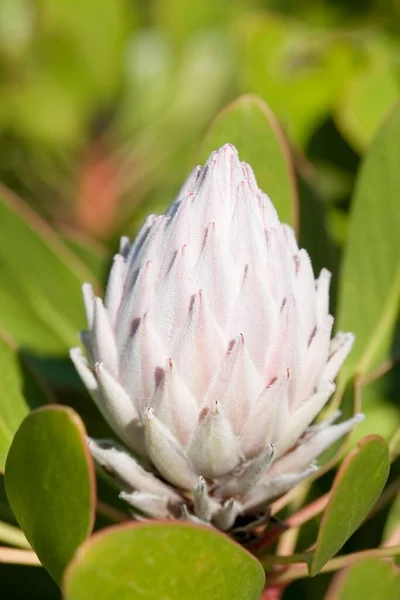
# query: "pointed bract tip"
(358, 418)
(75, 353)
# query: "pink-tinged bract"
(212, 354)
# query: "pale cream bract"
(212, 354)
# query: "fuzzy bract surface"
(212, 354)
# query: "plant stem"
(273, 592)
(308, 512)
(271, 560)
(302, 516)
(18, 557)
(13, 536)
(301, 571)
(393, 539)
(381, 370)
(287, 542)
(105, 510)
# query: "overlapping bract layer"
(212, 353)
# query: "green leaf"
(16, 28)
(71, 71)
(371, 578)
(40, 280)
(249, 124)
(369, 96)
(162, 560)
(392, 524)
(394, 446)
(50, 484)
(92, 253)
(6, 513)
(382, 415)
(13, 536)
(95, 53)
(298, 70)
(193, 17)
(357, 486)
(19, 392)
(314, 235)
(370, 277)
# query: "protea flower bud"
(212, 354)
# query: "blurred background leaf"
(40, 298)
(371, 92)
(300, 70)
(20, 392)
(370, 283)
(104, 109)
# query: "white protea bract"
(212, 355)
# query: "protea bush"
(212, 354)
(223, 456)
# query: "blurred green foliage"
(130, 87)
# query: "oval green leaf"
(249, 124)
(371, 578)
(40, 281)
(20, 390)
(50, 484)
(369, 289)
(162, 560)
(357, 486)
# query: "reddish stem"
(273, 592)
